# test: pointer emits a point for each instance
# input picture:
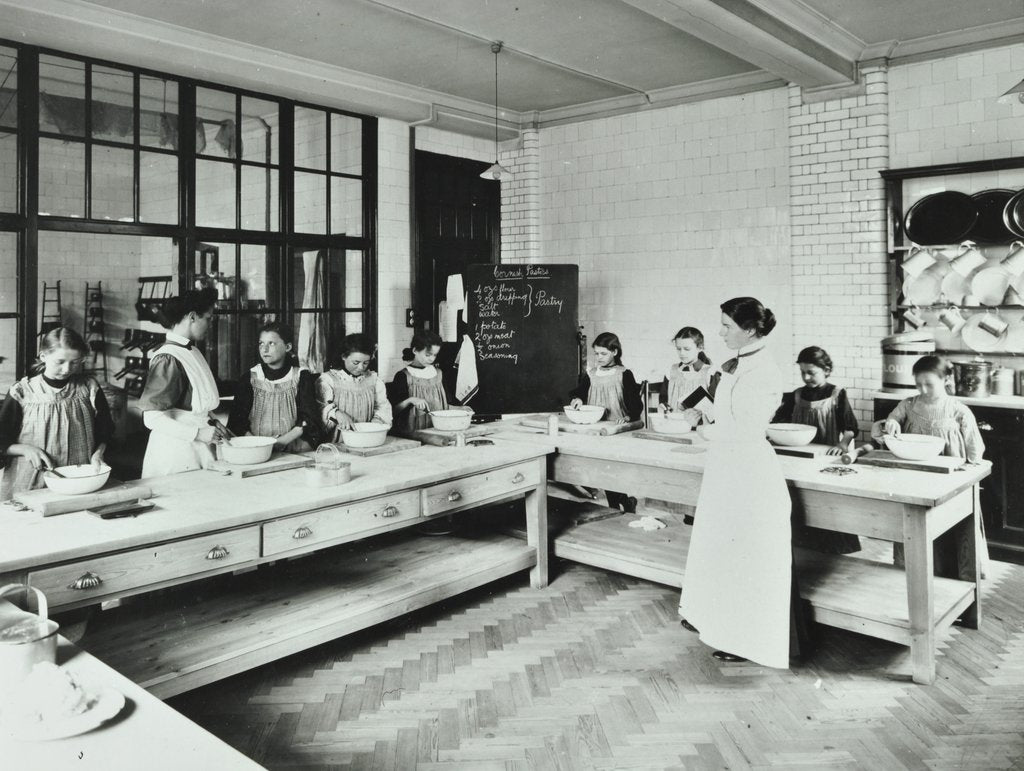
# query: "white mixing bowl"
(791, 434)
(585, 414)
(365, 435)
(247, 450)
(80, 479)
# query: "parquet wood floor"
(595, 672)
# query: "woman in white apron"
(737, 585)
(181, 391)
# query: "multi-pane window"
(108, 143)
(197, 187)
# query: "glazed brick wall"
(837, 212)
(394, 272)
(668, 213)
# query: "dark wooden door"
(458, 223)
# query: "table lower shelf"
(854, 593)
(178, 640)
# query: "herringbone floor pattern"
(595, 672)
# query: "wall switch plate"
(410, 317)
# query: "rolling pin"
(852, 453)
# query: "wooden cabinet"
(324, 527)
(479, 488)
(93, 579)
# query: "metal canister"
(460, 439)
(973, 378)
(1003, 381)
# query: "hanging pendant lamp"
(496, 170)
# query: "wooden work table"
(208, 526)
(910, 507)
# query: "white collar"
(607, 371)
(424, 373)
(174, 337)
(752, 348)
(342, 372)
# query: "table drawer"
(460, 493)
(303, 530)
(115, 574)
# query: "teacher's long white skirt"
(737, 583)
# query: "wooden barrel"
(899, 352)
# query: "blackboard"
(523, 320)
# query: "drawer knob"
(302, 532)
(86, 581)
(217, 553)
(518, 478)
(454, 496)
(390, 511)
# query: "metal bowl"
(915, 446)
(450, 420)
(247, 450)
(791, 434)
(80, 479)
(584, 414)
(365, 435)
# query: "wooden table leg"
(969, 565)
(917, 549)
(537, 526)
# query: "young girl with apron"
(418, 388)
(181, 391)
(57, 417)
(351, 393)
(277, 398)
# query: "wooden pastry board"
(49, 503)
(391, 444)
(601, 428)
(279, 461)
(806, 451)
(690, 437)
(885, 459)
(441, 438)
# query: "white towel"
(466, 384)
(448, 322)
(455, 294)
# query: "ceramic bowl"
(672, 423)
(247, 450)
(915, 446)
(80, 479)
(585, 414)
(450, 420)
(365, 435)
(791, 434)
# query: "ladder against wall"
(95, 332)
(50, 313)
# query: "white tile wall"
(669, 213)
(837, 211)
(394, 272)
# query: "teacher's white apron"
(737, 582)
(169, 454)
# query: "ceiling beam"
(746, 30)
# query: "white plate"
(990, 285)
(923, 290)
(978, 339)
(105, 705)
(955, 287)
(1015, 337)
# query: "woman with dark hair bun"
(737, 586)
(180, 390)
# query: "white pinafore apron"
(606, 391)
(275, 406)
(431, 390)
(737, 581)
(166, 454)
(683, 382)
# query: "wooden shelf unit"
(210, 630)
